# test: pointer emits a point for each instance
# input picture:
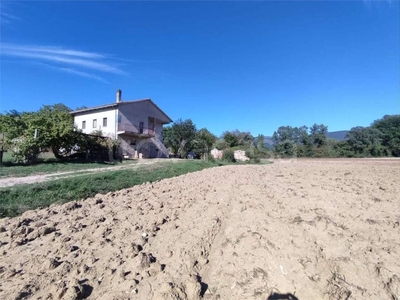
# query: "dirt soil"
(309, 229)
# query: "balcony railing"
(135, 129)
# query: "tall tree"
(365, 141)
(170, 139)
(230, 139)
(179, 137)
(288, 139)
(58, 127)
(203, 142)
(389, 126)
(318, 134)
(28, 133)
(237, 138)
(260, 142)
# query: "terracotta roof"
(116, 104)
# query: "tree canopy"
(179, 137)
(237, 138)
(389, 126)
(203, 142)
(27, 133)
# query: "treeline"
(185, 140)
(27, 134)
(382, 138)
(51, 128)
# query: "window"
(94, 123)
(83, 124)
(104, 122)
(141, 127)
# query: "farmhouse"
(137, 124)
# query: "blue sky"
(252, 66)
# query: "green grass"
(47, 163)
(15, 200)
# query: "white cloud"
(84, 74)
(6, 17)
(77, 62)
(73, 71)
(87, 60)
(51, 50)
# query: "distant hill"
(338, 135)
(268, 142)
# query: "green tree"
(57, 126)
(318, 137)
(11, 125)
(287, 140)
(318, 134)
(260, 142)
(389, 126)
(29, 133)
(244, 138)
(343, 149)
(20, 135)
(81, 107)
(230, 139)
(203, 142)
(228, 155)
(237, 138)
(365, 141)
(179, 137)
(220, 144)
(170, 139)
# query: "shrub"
(228, 155)
(220, 145)
(211, 159)
(250, 154)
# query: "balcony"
(135, 130)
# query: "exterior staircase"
(162, 150)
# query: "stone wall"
(217, 154)
(240, 155)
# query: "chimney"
(118, 98)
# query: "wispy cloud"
(137, 60)
(89, 60)
(84, 74)
(6, 17)
(52, 50)
(64, 59)
(377, 3)
(73, 71)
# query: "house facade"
(137, 124)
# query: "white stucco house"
(138, 124)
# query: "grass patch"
(47, 163)
(15, 200)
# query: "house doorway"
(153, 151)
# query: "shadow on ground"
(276, 296)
